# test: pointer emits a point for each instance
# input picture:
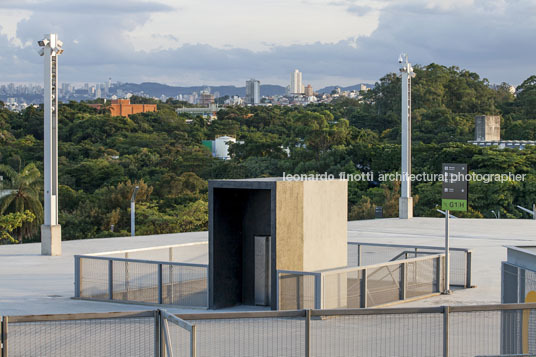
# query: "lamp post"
(51, 47)
(405, 202)
(133, 211)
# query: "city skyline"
(357, 42)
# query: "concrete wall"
(289, 225)
(487, 128)
(325, 212)
(311, 220)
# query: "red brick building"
(122, 107)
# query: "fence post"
(403, 281)
(359, 255)
(111, 279)
(277, 298)
(307, 333)
(193, 342)
(364, 289)
(4, 336)
(440, 268)
(468, 267)
(446, 310)
(170, 278)
(77, 276)
(127, 277)
(160, 284)
(319, 301)
(157, 332)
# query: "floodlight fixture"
(133, 197)
(43, 42)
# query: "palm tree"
(23, 195)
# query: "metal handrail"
(81, 316)
(410, 252)
(146, 249)
(142, 261)
(408, 246)
(273, 314)
(379, 265)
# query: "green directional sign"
(454, 205)
(454, 190)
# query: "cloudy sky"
(216, 42)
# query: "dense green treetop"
(102, 158)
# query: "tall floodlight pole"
(405, 202)
(133, 211)
(51, 47)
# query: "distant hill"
(356, 87)
(157, 89)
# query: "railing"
(359, 287)
(145, 333)
(477, 330)
(460, 266)
(119, 277)
(178, 336)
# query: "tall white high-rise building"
(253, 92)
(296, 85)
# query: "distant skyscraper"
(296, 86)
(253, 92)
(309, 92)
(205, 98)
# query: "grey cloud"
(88, 7)
(359, 10)
(497, 46)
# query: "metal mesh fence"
(375, 254)
(133, 281)
(504, 330)
(180, 340)
(296, 291)
(530, 282)
(247, 337)
(140, 281)
(94, 337)
(509, 281)
(342, 290)
(94, 278)
(475, 333)
(383, 284)
(421, 277)
(377, 335)
(347, 287)
(184, 285)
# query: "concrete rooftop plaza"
(31, 284)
